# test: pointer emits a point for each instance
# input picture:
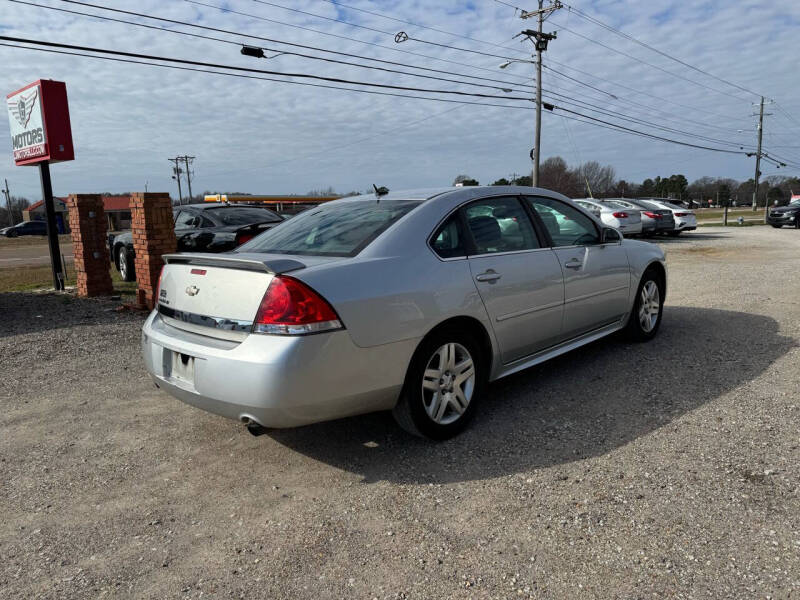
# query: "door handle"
(573, 263)
(489, 276)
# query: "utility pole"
(7, 194)
(758, 153)
(188, 160)
(540, 43)
(177, 176)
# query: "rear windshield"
(338, 229)
(613, 204)
(648, 205)
(233, 215)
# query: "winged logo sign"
(28, 134)
(21, 107)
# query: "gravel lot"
(664, 470)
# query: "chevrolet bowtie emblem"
(192, 290)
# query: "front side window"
(335, 229)
(500, 225)
(567, 225)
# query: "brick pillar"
(153, 235)
(87, 222)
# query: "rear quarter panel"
(640, 256)
(386, 300)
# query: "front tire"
(127, 270)
(444, 383)
(645, 318)
(776, 226)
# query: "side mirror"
(611, 235)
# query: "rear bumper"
(277, 381)
(630, 228)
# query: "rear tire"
(444, 383)
(675, 233)
(127, 270)
(645, 318)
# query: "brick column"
(153, 235)
(87, 222)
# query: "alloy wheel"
(448, 383)
(123, 264)
(649, 306)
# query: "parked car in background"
(409, 301)
(627, 220)
(785, 215)
(201, 228)
(657, 220)
(25, 228)
(685, 219)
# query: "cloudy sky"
(272, 137)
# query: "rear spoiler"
(267, 265)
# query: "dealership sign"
(38, 115)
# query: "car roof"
(210, 205)
(459, 193)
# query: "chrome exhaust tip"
(255, 428)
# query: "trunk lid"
(218, 295)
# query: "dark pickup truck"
(201, 228)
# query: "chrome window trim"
(529, 250)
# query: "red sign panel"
(38, 116)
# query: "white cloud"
(268, 137)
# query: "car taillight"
(620, 215)
(683, 214)
(289, 307)
(652, 215)
(244, 236)
(158, 287)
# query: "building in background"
(117, 209)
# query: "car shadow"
(33, 312)
(583, 404)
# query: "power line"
(567, 98)
(239, 44)
(669, 116)
(396, 20)
(656, 137)
(296, 45)
(264, 71)
(241, 75)
(373, 29)
(644, 62)
(343, 37)
(626, 36)
(649, 95)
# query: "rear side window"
(335, 229)
(500, 225)
(448, 241)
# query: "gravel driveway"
(664, 470)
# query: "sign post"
(38, 115)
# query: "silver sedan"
(408, 301)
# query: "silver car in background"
(685, 219)
(410, 302)
(661, 219)
(627, 220)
